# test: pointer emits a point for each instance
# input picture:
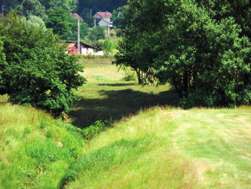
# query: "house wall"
(102, 23)
(86, 51)
(73, 50)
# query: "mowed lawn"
(170, 148)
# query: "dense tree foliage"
(99, 5)
(56, 14)
(97, 33)
(31, 7)
(36, 22)
(59, 21)
(118, 15)
(34, 67)
(86, 15)
(68, 5)
(74, 29)
(200, 48)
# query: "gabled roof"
(105, 14)
(76, 43)
(76, 16)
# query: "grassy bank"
(35, 149)
(170, 148)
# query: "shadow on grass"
(117, 104)
(116, 84)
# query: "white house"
(102, 18)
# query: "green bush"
(37, 72)
(91, 131)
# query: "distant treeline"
(70, 5)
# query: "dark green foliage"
(86, 15)
(198, 48)
(93, 130)
(97, 33)
(31, 7)
(37, 71)
(118, 15)
(74, 29)
(59, 21)
(98, 5)
(98, 45)
(69, 5)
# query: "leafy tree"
(99, 5)
(31, 7)
(129, 56)
(197, 48)
(108, 45)
(58, 21)
(74, 29)
(36, 22)
(85, 14)
(99, 45)
(8, 5)
(118, 15)
(3, 64)
(37, 71)
(97, 33)
(69, 5)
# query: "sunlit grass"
(35, 148)
(171, 148)
(107, 96)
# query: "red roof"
(71, 45)
(76, 16)
(104, 14)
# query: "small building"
(85, 49)
(102, 18)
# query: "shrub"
(37, 72)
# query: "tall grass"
(35, 149)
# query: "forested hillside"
(55, 14)
(71, 5)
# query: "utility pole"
(78, 38)
(3, 11)
(108, 24)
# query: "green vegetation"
(58, 21)
(57, 16)
(119, 133)
(202, 49)
(106, 96)
(126, 138)
(35, 71)
(35, 149)
(170, 148)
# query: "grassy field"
(170, 148)
(107, 96)
(123, 135)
